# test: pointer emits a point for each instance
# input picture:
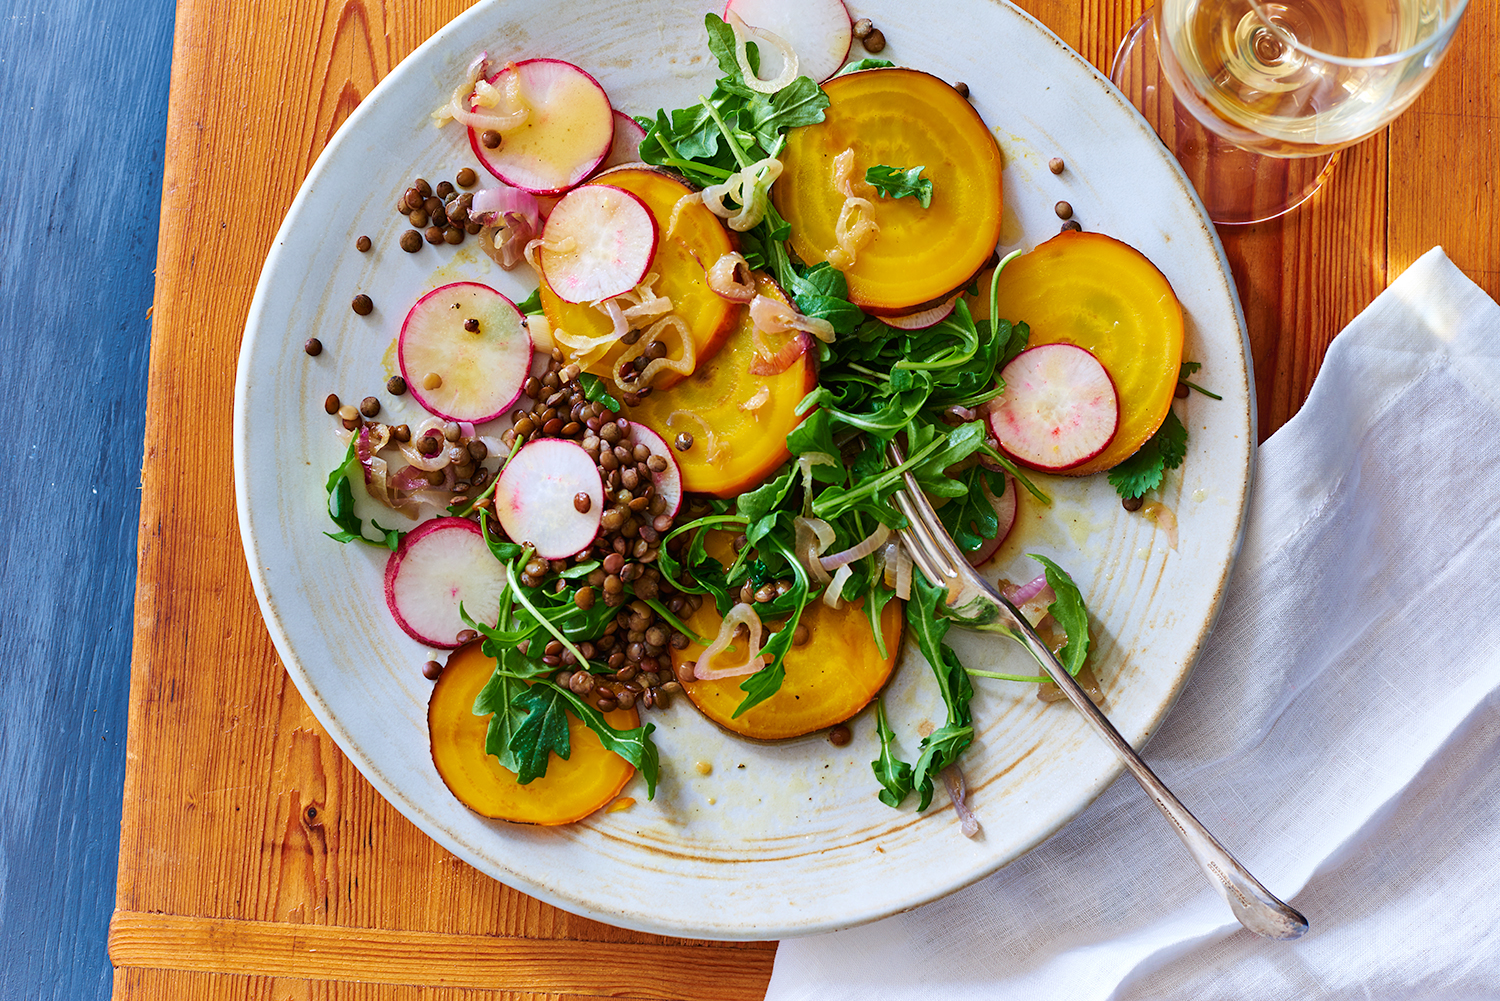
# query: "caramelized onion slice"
(741, 614)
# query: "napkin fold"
(1340, 735)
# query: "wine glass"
(1256, 98)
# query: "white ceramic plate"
(776, 840)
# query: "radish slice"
(817, 30)
(440, 565)
(460, 374)
(626, 147)
(605, 239)
(1059, 408)
(563, 140)
(537, 498)
(668, 482)
(1005, 510)
(923, 319)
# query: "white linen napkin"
(1341, 734)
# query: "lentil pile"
(438, 214)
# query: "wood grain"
(424, 958)
(247, 839)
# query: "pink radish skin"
(819, 31)
(923, 319)
(606, 239)
(440, 565)
(567, 136)
(480, 373)
(1005, 511)
(536, 497)
(668, 482)
(626, 147)
(1059, 408)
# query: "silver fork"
(974, 604)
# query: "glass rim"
(1438, 37)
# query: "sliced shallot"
(1165, 519)
(741, 614)
(859, 550)
(724, 278)
(833, 596)
(958, 791)
(742, 32)
(813, 535)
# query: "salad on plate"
(660, 482)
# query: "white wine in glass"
(1255, 98)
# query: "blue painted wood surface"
(83, 108)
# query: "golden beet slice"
(739, 435)
(897, 118)
(682, 257)
(1092, 290)
(829, 678)
(571, 789)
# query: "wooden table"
(255, 862)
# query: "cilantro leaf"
(893, 774)
(893, 182)
(541, 733)
(1070, 613)
(1190, 368)
(1143, 471)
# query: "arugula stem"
(1027, 679)
(1013, 470)
(671, 620)
(875, 485)
(1194, 385)
(702, 168)
(468, 509)
(734, 146)
(515, 586)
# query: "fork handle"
(1256, 907)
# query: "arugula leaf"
(970, 517)
(634, 745)
(721, 43)
(1070, 613)
(824, 292)
(496, 697)
(594, 391)
(943, 746)
(766, 682)
(893, 182)
(1017, 335)
(532, 303)
(800, 102)
(1143, 471)
(541, 733)
(867, 63)
(893, 774)
(341, 507)
(940, 749)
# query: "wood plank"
(1447, 148)
(535, 965)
